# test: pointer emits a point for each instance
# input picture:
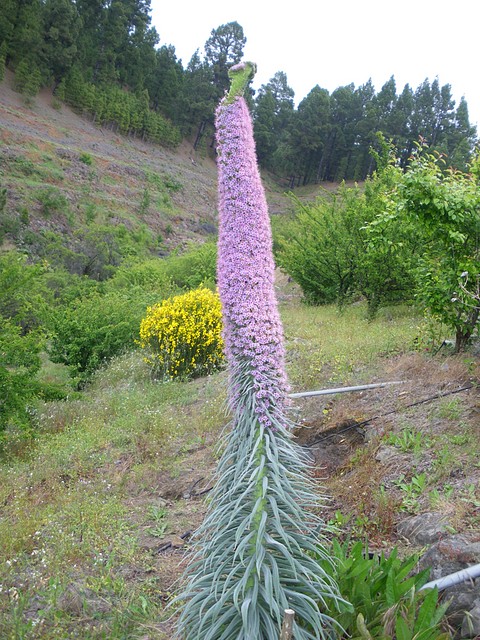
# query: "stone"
(471, 622)
(451, 554)
(386, 453)
(425, 528)
(445, 557)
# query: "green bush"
(19, 363)
(52, 201)
(336, 251)
(383, 601)
(24, 299)
(86, 158)
(90, 331)
(196, 266)
(444, 206)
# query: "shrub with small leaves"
(182, 335)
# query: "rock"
(447, 556)
(452, 554)
(425, 528)
(385, 453)
(471, 622)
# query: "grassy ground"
(96, 515)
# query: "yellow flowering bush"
(182, 335)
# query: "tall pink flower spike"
(256, 552)
(253, 331)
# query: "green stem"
(262, 504)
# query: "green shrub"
(196, 266)
(383, 601)
(19, 363)
(182, 335)
(86, 158)
(149, 275)
(337, 249)
(90, 331)
(24, 298)
(52, 201)
(444, 206)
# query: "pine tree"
(8, 14)
(462, 138)
(61, 26)
(27, 36)
(164, 84)
(223, 49)
(273, 110)
(27, 79)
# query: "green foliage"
(3, 199)
(196, 266)
(52, 201)
(409, 440)
(24, 315)
(444, 206)
(90, 331)
(145, 202)
(4, 226)
(182, 335)
(86, 158)
(183, 271)
(411, 491)
(95, 250)
(19, 362)
(383, 598)
(61, 28)
(113, 107)
(23, 296)
(413, 233)
(3, 59)
(27, 79)
(328, 138)
(335, 255)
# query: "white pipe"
(470, 573)
(326, 392)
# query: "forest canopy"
(106, 60)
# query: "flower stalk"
(256, 553)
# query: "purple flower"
(252, 327)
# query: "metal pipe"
(326, 392)
(470, 573)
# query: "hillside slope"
(100, 176)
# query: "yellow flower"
(184, 335)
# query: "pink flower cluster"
(252, 327)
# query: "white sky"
(341, 41)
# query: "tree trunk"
(464, 333)
(200, 132)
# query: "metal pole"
(326, 392)
(470, 573)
